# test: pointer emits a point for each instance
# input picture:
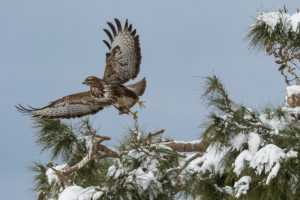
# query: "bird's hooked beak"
(86, 82)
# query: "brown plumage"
(125, 102)
(122, 64)
(124, 59)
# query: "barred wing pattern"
(122, 64)
(124, 59)
(75, 105)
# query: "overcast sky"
(47, 48)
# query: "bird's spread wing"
(124, 59)
(75, 105)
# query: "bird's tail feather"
(138, 87)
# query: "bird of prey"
(122, 64)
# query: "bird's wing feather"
(124, 59)
(71, 106)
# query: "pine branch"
(258, 125)
(96, 147)
(55, 136)
(40, 178)
(63, 180)
(178, 170)
(279, 40)
(216, 95)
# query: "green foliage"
(205, 185)
(229, 119)
(274, 33)
(146, 168)
(40, 179)
(143, 169)
(41, 184)
(55, 136)
(140, 159)
(93, 174)
(137, 153)
(216, 95)
(261, 36)
(67, 143)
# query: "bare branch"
(109, 152)
(200, 146)
(96, 147)
(155, 133)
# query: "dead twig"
(150, 135)
(200, 146)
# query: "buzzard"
(122, 64)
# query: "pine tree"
(243, 153)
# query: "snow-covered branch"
(96, 147)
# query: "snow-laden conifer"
(243, 152)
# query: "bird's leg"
(141, 104)
(134, 114)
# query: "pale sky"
(47, 48)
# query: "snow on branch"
(91, 155)
(178, 170)
(279, 34)
(62, 172)
(273, 20)
(242, 186)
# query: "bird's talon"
(141, 104)
(134, 114)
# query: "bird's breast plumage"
(104, 93)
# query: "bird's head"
(91, 81)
